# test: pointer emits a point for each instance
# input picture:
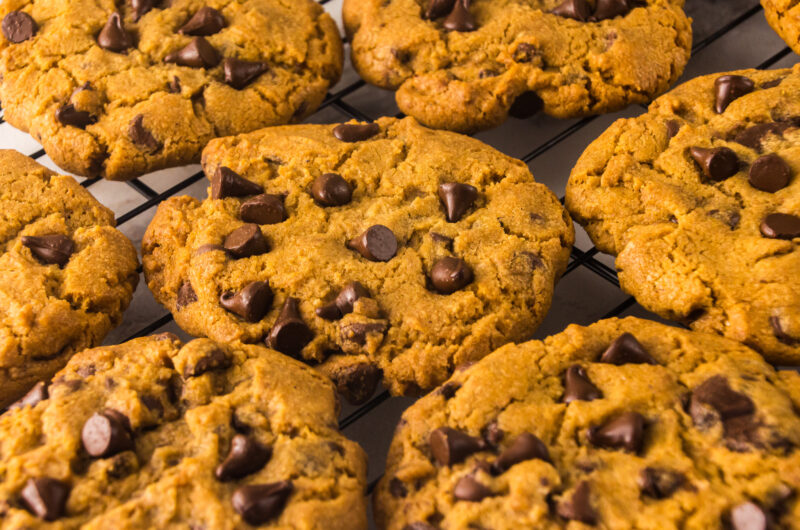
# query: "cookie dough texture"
(182, 107)
(183, 412)
(48, 312)
(466, 81)
(784, 17)
(684, 475)
(690, 248)
(515, 238)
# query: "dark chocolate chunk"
(199, 53)
(227, 183)
(264, 209)
(524, 447)
(53, 249)
(457, 199)
(781, 226)
(35, 395)
(574, 9)
(450, 274)
(450, 446)
(216, 359)
(717, 393)
(239, 74)
(330, 189)
(106, 433)
(356, 132)
(624, 431)
(259, 503)
(376, 243)
(357, 382)
(289, 334)
(673, 126)
(727, 88)
(579, 506)
(660, 483)
(186, 296)
(770, 173)
(460, 19)
(19, 26)
(206, 21)
(141, 136)
(626, 350)
(69, 115)
(246, 456)
(45, 497)
(251, 303)
(718, 163)
(578, 387)
(526, 105)
(114, 37)
(469, 489)
(246, 241)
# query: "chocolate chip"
(227, 183)
(626, 350)
(718, 163)
(780, 333)
(18, 26)
(259, 503)
(752, 136)
(438, 8)
(660, 483)
(579, 506)
(376, 243)
(781, 226)
(50, 249)
(251, 303)
(206, 21)
(457, 199)
(264, 209)
(175, 85)
(749, 516)
(450, 446)
(106, 434)
(140, 136)
(524, 52)
(448, 390)
(730, 87)
(397, 488)
(289, 334)
(35, 395)
(186, 296)
(469, 489)
(624, 431)
(359, 331)
(770, 173)
(492, 433)
(450, 274)
(197, 54)
(574, 9)
(246, 456)
(68, 115)
(578, 387)
(246, 241)
(216, 359)
(717, 393)
(460, 19)
(356, 132)
(330, 189)
(357, 382)
(140, 7)
(239, 74)
(524, 447)
(343, 304)
(114, 37)
(606, 9)
(673, 126)
(45, 497)
(526, 105)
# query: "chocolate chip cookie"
(368, 249)
(699, 198)
(153, 433)
(466, 65)
(66, 274)
(120, 89)
(784, 17)
(622, 424)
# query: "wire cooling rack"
(728, 35)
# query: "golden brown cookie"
(120, 89)
(370, 249)
(699, 198)
(153, 433)
(619, 425)
(784, 17)
(466, 65)
(66, 274)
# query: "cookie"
(467, 65)
(621, 424)
(367, 249)
(784, 17)
(118, 90)
(153, 433)
(699, 199)
(66, 274)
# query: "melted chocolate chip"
(524, 447)
(660, 483)
(450, 274)
(718, 163)
(289, 334)
(69, 115)
(264, 209)
(730, 87)
(356, 132)
(606, 9)
(186, 296)
(626, 350)
(216, 359)
(578, 387)
(140, 7)
(357, 382)
(578, 507)
(625, 431)
(343, 304)
(492, 433)
(53, 249)
(781, 226)
(114, 37)
(246, 456)
(45, 497)
(376, 243)
(18, 26)
(438, 8)
(246, 241)
(251, 303)
(574, 9)
(259, 503)
(673, 126)
(330, 189)
(35, 395)
(206, 21)
(460, 19)
(227, 183)
(239, 74)
(457, 199)
(448, 390)
(752, 136)
(450, 446)
(199, 53)
(141, 136)
(770, 173)
(106, 434)
(469, 489)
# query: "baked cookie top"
(784, 17)
(381, 247)
(66, 274)
(466, 65)
(120, 89)
(153, 433)
(699, 198)
(622, 424)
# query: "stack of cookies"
(328, 261)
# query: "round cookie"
(622, 424)
(66, 274)
(699, 198)
(381, 248)
(784, 17)
(120, 89)
(466, 65)
(153, 433)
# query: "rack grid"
(728, 35)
